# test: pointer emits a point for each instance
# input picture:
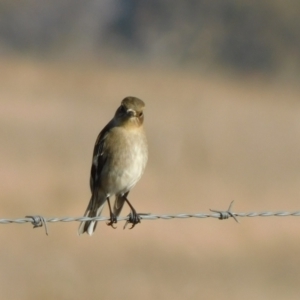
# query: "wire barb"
(226, 214)
(39, 221)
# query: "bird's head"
(130, 113)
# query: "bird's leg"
(134, 217)
(113, 218)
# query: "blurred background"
(221, 84)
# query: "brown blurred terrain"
(212, 139)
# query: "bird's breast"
(127, 156)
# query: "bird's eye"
(141, 114)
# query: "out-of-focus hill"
(248, 36)
(212, 139)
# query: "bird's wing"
(99, 157)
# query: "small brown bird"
(119, 159)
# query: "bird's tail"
(94, 209)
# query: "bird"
(119, 159)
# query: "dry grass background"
(212, 139)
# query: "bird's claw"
(134, 218)
(113, 220)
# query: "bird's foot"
(134, 218)
(113, 220)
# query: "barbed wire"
(40, 221)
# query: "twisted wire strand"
(29, 219)
(40, 221)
